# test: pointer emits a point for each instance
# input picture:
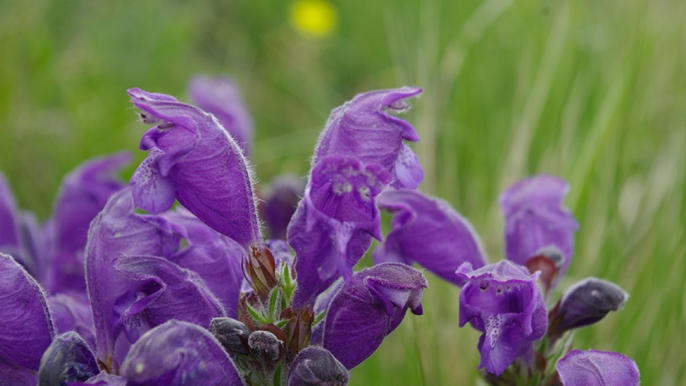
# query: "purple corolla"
(597, 368)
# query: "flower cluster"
(122, 287)
(168, 280)
(522, 339)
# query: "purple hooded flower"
(368, 308)
(280, 203)
(67, 359)
(72, 312)
(334, 223)
(428, 231)
(179, 354)
(502, 301)
(194, 159)
(115, 232)
(363, 128)
(315, 366)
(26, 329)
(221, 97)
(536, 219)
(213, 256)
(82, 195)
(597, 368)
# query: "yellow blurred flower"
(314, 18)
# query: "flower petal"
(334, 223)
(72, 312)
(221, 97)
(194, 156)
(27, 328)
(428, 231)
(214, 257)
(161, 291)
(176, 354)
(368, 308)
(364, 129)
(10, 241)
(597, 368)
(16, 376)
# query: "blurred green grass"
(593, 91)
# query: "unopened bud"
(265, 345)
(585, 303)
(316, 366)
(231, 334)
(67, 359)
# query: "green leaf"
(256, 314)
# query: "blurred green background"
(593, 91)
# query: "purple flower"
(368, 308)
(597, 368)
(428, 231)
(535, 219)
(115, 232)
(363, 128)
(221, 97)
(27, 328)
(177, 354)
(82, 195)
(315, 366)
(334, 223)
(67, 359)
(280, 203)
(193, 158)
(502, 301)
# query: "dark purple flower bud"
(281, 201)
(194, 159)
(115, 232)
(10, 241)
(368, 308)
(428, 231)
(213, 256)
(82, 195)
(585, 303)
(26, 329)
(334, 223)
(363, 128)
(502, 301)
(67, 359)
(535, 218)
(597, 368)
(16, 376)
(265, 345)
(232, 334)
(72, 312)
(221, 97)
(178, 354)
(315, 366)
